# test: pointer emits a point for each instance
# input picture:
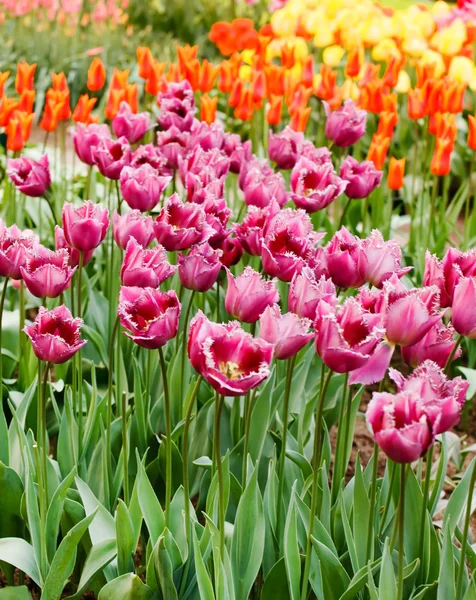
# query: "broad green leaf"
(359, 580)
(4, 450)
(446, 580)
(55, 510)
(387, 586)
(164, 569)
(360, 515)
(34, 524)
(15, 593)
(11, 486)
(126, 587)
(247, 550)
(99, 556)
(150, 505)
(103, 527)
(292, 559)
(335, 580)
(124, 539)
(21, 555)
(457, 502)
(276, 584)
(260, 419)
(205, 587)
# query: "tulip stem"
(316, 458)
(125, 448)
(373, 490)
(2, 305)
(461, 566)
(401, 529)
(282, 455)
(434, 193)
(248, 412)
(393, 467)
(41, 434)
(80, 363)
(109, 396)
(459, 339)
(184, 345)
(348, 393)
(168, 441)
(344, 212)
(424, 507)
(186, 429)
(221, 497)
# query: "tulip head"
(362, 177)
(288, 333)
(141, 187)
(47, 273)
(30, 177)
(145, 268)
(85, 227)
(345, 126)
(248, 295)
(129, 125)
(199, 269)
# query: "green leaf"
(99, 556)
(335, 580)
(104, 527)
(125, 540)
(205, 587)
(4, 450)
(55, 510)
(164, 569)
(446, 580)
(34, 524)
(247, 550)
(457, 502)
(359, 580)
(387, 586)
(21, 555)
(361, 515)
(11, 521)
(150, 505)
(64, 559)
(126, 587)
(292, 560)
(15, 593)
(276, 585)
(260, 420)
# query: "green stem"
(424, 506)
(282, 456)
(80, 363)
(219, 468)
(2, 305)
(344, 212)
(434, 192)
(468, 201)
(168, 441)
(184, 344)
(315, 474)
(109, 387)
(459, 339)
(347, 426)
(388, 501)
(401, 529)
(373, 491)
(467, 519)
(125, 448)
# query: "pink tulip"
(86, 138)
(237, 151)
(177, 106)
(30, 177)
(199, 269)
(148, 154)
(437, 345)
(46, 273)
(251, 230)
(133, 224)
(346, 125)
(206, 136)
(179, 226)
(306, 293)
(248, 295)
(85, 227)
(346, 335)
(74, 255)
(261, 189)
(342, 259)
(150, 316)
(442, 399)
(111, 156)
(172, 144)
(254, 167)
(378, 260)
(145, 268)
(284, 148)
(289, 240)
(141, 187)
(314, 187)
(55, 335)
(288, 333)
(362, 177)
(14, 246)
(400, 426)
(231, 251)
(446, 273)
(230, 359)
(129, 125)
(464, 307)
(198, 161)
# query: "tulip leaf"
(150, 506)
(55, 510)
(4, 450)
(103, 527)
(457, 501)
(335, 580)
(99, 556)
(126, 587)
(359, 580)
(164, 567)
(387, 585)
(292, 559)
(20, 554)
(361, 515)
(260, 419)
(275, 585)
(446, 580)
(205, 587)
(15, 593)
(124, 539)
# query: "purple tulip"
(31, 177)
(130, 125)
(315, 187)
(141, 187)
(362, 177)
(346, 125)
(145, 268)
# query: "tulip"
(172, 144)
(141, 187)
(208, 136)
(230, 359)
(306, 293)
(25, 76)
(342, 259)
(145, 268)
(14, 246)
(73, 254)
(150, 316)
(47, 273)
(132, 224)
(231, 250)
(248, 295)
(345, 126)
(446, 273)
(274, 109)
(82, 112)
(442, 399)
(86, 138)
(111, 156)
(437, 345)
(250, 231)
(199, 269)
(55, 335)
(284, 148)
(362, 177)
(472, 132)
(314, 187)
(379, 260)
(179, 226)
(463, 309)
(129, 125)
(96, 75)
(237, 151)
(31, 177)
(396, 171)
(85, 227)
(213, 161)
(400, 425)
(441, 160)
(148, 154)
(208, 108)
(288, 333)
(260, 189)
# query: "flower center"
(230, 370)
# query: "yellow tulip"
(350, 90)
(440, 8)
(384, 50)
(404, 82)
(284, 23)
(247, 56)
(300, 47)
(450, 40)
(461, 69)
(245, 72)
(332, 55)
(430, 57)
(323, 37)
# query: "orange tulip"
(144, 60)
(27, 100)
(51, 112)
(3, 79)
(119, 79)
(390, 77)
(396, 171)
(25, 76)
(325, 89)
(131, 96)
(208, 108)
(353, 64)
(378, 150)
(371, 96)
(15, 140)
(82, 112)
(336, 101)
(441, 160)
(274, 79)
(114, 99)
(207, 76)
(425, 71)
(416, 104)
(273, 112)
(258, 87)
(244, 109)
(390, 102)
(223, 36)
(288, 57)
(7, 107)
(59, 82)
(300, 118)
(300, 99)
(452, 97)
(173, 74)
(387, 123)
(185, 54)
(444, 126)
(226, 78)
(155, 81)
(472, 132)
(432, 90)
(236, 93)
(192, 73)
(368, 72)
(307, 77)
(63, 98)
(96, 75)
